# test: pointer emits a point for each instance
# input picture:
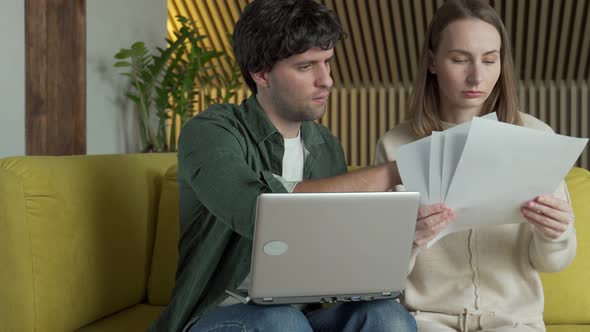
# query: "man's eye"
(305, 67)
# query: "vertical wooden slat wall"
(370, 112)
(375, 66)
(561, 104)
(55, 77)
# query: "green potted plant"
(172, 83)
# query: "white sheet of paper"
(503, 166)
(413, 163)
(454, 142)
(435, 174)
(452, 149)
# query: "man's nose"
(324, 78)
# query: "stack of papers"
(485, 170)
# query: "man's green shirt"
(227, 156)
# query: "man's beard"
(299, 113)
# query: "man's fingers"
(428, 210)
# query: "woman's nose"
(475, 75)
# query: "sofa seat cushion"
(567, 296)
(568, 328)
(135, 319)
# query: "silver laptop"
(330, 247)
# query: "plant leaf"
(133, 97)
(119, 64)
(123, 54)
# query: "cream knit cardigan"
(489, 272)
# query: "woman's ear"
(431, 63)
(261, 78)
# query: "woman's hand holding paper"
(548, 214)
(431, 220)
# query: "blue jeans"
(374, 316)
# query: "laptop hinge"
(267, 299)
(386, 293)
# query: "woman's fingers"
(544, 213)
(424, 236)
(548, 231)
(549, 214)
(555, 203)
(428, 210)
(431, 220)
(551, 207)
(540, 219)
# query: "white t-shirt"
(293, 160)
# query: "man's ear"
(261, 78)
(431, 65)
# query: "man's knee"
(242, 317)
(282, 318)
(386, 315)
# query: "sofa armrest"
(76, 237)
(16, 269)
(567, 298)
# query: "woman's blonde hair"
(425, 113)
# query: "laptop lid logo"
(275, 248)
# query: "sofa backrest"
(76, 234)
(165, 257)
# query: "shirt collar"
(262, 128)
(260, 125)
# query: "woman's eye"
(459, 60)
(489, 62)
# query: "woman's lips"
(472, 94)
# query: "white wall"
(110, 26)
(12, 78)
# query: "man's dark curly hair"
(271, 30)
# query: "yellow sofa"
(88, 243)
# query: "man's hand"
(548, 214)
(431, 220)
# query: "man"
(230, 154)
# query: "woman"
(485, 278)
